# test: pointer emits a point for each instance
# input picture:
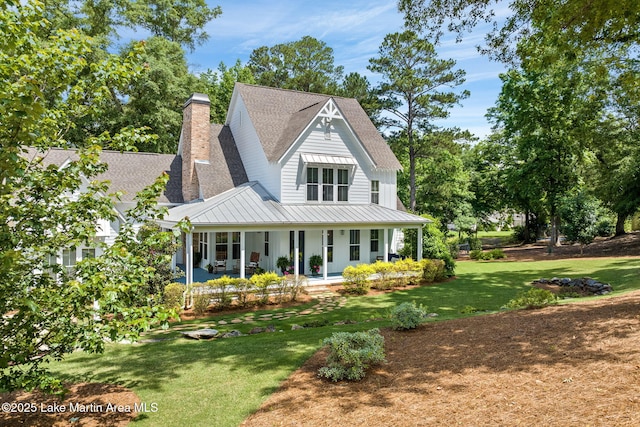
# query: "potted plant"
(282, 263)
(209, 268)
(315, 262)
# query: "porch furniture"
(220, 265)
(253, 263)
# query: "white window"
(354, 242)
(312, 184)
(204, 245)
(375, 192)
(69, 259)
(88, 253)
(375, 239)
(333, 182)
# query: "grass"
(202, 383)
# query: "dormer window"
(333, 181)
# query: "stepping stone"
(305, 312)
(201, 334)
(222, 322)
(236, 321)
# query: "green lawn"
(204, 383)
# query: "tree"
(357, 86)
(570, 25)
(579, 217)
(48, 310)
(548, 116)
(306, 65)
(442, 181)
(413, 79)
(219, 86)
(180, 21)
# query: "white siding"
(340, 144)
(251, 152)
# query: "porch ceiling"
(251, 205)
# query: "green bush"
(407, 316)
(201, 298)
(173, 296)
(262, 282)
(433, 270)
(487, 256)
(533, 298)
(434, 245)
(357, 278)
(474, 243)
(222, 295)
(351, 354)
(385, 271)
(407, 272)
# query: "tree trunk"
(620, 224)
(527, 227)
(412, 178)
(554, 238)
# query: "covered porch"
(247, 220)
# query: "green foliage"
(263, 283)
(433, 270)
(415, 89)
(533, 298)
(385, 272)
(173, 295)
(157, 248)
(488, 255)
(434, 245)
(407, 316)
(222, 290)
(579, 217)
(49, 79)
(201, 298)
(305, 65)
(315, 263)
(219, 86)
(357, 278)
(351, 354)
(244, 290)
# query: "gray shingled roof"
(225, 169)
(251, 205)
(129, 172)
(280, 116)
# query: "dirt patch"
(569, 365)
(619, 246)
(86, 405)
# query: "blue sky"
(354, 29)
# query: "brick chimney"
(194, 142)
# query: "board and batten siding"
(341, 143)
(251, 152)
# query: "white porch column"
(419, 243)
(296, 253)
(188, 262)
(325, 261)
(242, 254)
(385, 236)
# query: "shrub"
(434, 245)
(357, 278)
(173, 296)
(385, 271)
(474, 243)
(351, 354)
(201, 298)
(295, 286)
(497, 254)
(407, 316)
(407, 271)
(244, 289)
(533, 298)
(222, 291)
(489, 255)
(262, 282)
(433, 269)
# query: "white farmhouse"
(290, 174)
